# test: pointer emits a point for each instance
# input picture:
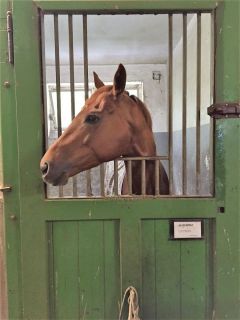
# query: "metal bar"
(71, 65)
(129, 176)
(143, 176)
(102, 178)
(44, 79)
(86, 88)
(88, 183)
(72, 85)
(115, 177)
(60, 191)
(146, 158)
(74, 183)
(58, 83)
(211, 147)
(198, 105)
(157, 177)
(85, 55)
(170, 120)
(57, 71)
(184, 107)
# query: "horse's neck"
(144, 146)
(137, 177)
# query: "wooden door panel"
(85, 269)
(176, 274)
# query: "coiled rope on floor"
(133, 307)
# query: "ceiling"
(129, 39)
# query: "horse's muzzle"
(50, 176)
(44, 168)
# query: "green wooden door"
(73, 259)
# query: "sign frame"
(172, 226)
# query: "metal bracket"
(224, 110)
(10, 37)
(5, 188)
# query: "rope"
(132, 302)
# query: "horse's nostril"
(44, 168)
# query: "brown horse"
(110, 125)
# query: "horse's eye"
(92, 119)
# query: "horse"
(112, 124)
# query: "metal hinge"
(10, 37)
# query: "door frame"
(28, 193)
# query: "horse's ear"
(97, 81)
(119, 81)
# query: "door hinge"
(10, 37)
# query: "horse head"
(107, 127)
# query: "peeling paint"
(226, 234)
(84, 311)
(97, 272)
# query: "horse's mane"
(144, 110)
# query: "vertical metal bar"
(211, 146)
(157, 176)
(88, 183)
(143, 177)
(85, 55)
(129, 176)
(72, 84)
(57, 71)
(44, 79)
(170, 121)
(102, 178)
(58, 83)
(71, 65)
(44, 89)
(116, 177)
(86, 89)
(184, 107)
(198, 105)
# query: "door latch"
(5, 188)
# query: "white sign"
(187, 229)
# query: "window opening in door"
(169, 58)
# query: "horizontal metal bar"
(144, 158)
(151, 7)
